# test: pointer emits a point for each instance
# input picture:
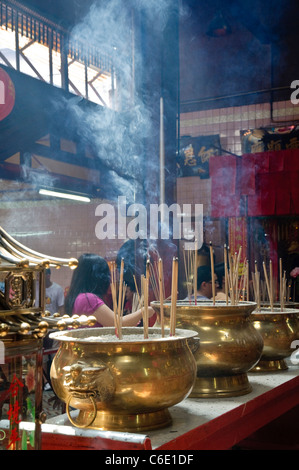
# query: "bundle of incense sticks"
(256, 287)
(232, 276)
(143, 298)
(135, 302)
(189, 270)
(269, 283)
(118, 303)
(282, 286)
(174, 290)
(154, 279)
(244, 282)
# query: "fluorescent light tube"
(74, 197)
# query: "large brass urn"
(229, 345)
(279, 329)
(122, 385)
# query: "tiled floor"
(52, 406)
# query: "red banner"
(268, 180)
(237, 236)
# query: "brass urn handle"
(92, 381)
(91, 396)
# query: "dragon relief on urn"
(84, 379)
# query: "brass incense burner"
(122, 385)
(229, 345)
(279, 329)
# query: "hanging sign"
(7, 94)
(195, 154)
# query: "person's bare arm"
(105, 316)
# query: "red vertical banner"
(237, 237)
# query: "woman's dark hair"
(203, 275)
(219, 270)
(91, 275)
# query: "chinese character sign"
(195, 153)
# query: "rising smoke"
(117, 135)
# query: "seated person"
(204, 284)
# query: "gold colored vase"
(229, 345)
(279, 330)
(122, 385)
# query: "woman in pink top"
(90, 282)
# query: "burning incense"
(243, 283)
(231, 278)
(146, 280)
(118, 305)
(161, 294)
(282, 286)
(145, 284)
(188, 264)
(268, 287)
(213, 272)
(271, 283)
(113, 292)
(256, 279)
(247, 281)
(226, 274)
(195, 275)
(120, 299)
(174, 284)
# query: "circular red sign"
(7, 94)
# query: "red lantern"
(7, 94)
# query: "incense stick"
(247, 281)
(118, 305)
(271, 285)
(188, 264)
(120, 298)
(268, 286)
(174, 283)
(212, 272)
(161, 294)
(226, 274)
(284, 281)
(154, 279)
(195, 275)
